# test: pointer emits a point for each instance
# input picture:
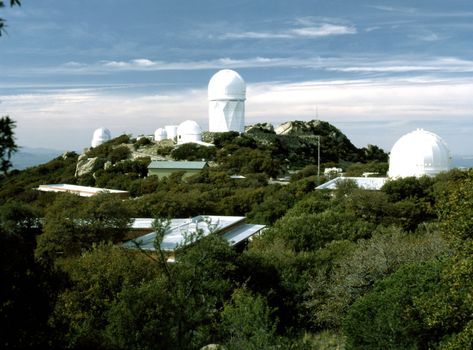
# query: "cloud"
(257, 35)
(307, 28)
(374, 65)
(324, 30)
(445, 65)
(428, 37)
(397, 9)
(65, 119)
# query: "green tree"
(97, 277)
(27, 290)
(369, 261)
(247, 322)
(7, 140)
(73, 223)
(388, 318)
(179, 308)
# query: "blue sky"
(374, 69)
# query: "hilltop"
(288, 148)
(262, 152)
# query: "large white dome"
(101, 135)
(227, 84)
(189, 131)
(419, 153)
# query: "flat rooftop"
(182, 232)
(83, 191)
(366, 183)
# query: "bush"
(387, 318)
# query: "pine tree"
(7, 143)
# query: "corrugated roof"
(241, 233)
(164, 164)
(183, 231)
(367, 183)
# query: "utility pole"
(318, 146)
(318, 160)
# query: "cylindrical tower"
(160, 134)
(171, 131)
(227, 95)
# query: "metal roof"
(83, 191)
(164, 164)
(240, 233)
(185, 231)
(366, 183)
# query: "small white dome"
(227, 84)
(419, 153)
(189, 131)
(101, 135)
(160, 134)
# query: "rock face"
(313, 127)
(87, 165)
(260, 128)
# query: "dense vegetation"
(349, 269)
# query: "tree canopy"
(7, 142)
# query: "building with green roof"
(163, 168)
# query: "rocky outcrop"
(312, 127)
(87, 165)
(260, 128)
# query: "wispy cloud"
(305, 28)
(334, 64)
(397, 9)
(324, 29)
(68, 117)
(428, 37)
(257, 35)
(364, 66)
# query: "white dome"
(189, 131)
(101, 135)
(419, 153)
(160, 134)
(227, 84)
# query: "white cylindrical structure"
(189, 131)
(419, 153)
(101, 135)
(227, 95)
(160, 134)
(171, 131)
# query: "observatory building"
(101, 135)
(160, 134)
(171, 131)
(227, 95)
(189, 131)
(419, 153)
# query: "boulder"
(87, 165)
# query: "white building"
(419, 153)
(83, 191)
(227, 95)
(101, 135)
(171, 131)
(189, 131)
(160, 134)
